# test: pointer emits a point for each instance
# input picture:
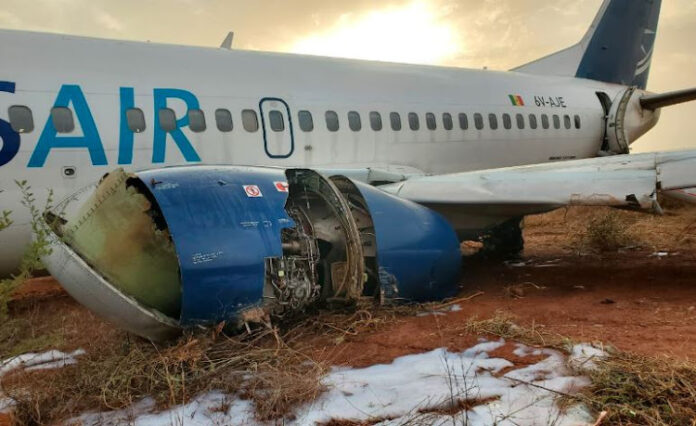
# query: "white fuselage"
(95, 80)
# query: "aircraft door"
(276, 121)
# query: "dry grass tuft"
(503, 325)
(259, 366)
(633, 389)
(607, 232)
(268, 366)
(640, 390)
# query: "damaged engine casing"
(166, 249)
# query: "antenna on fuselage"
(227, 43)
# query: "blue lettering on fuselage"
(90, 136)
(126, 136)
(71, 96)
(10, 138)
(160, 140)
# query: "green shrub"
(31, 261)
(608, 232)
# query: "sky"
(498, 34)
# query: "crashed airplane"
(162, 227)
(167, 249)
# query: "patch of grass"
(259, 367)
(633, 389)
(642, 390)
(18, 336)
(607, 232)
(268, 366)
(503, 325)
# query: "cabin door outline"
(277, 144)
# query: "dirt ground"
(641, 298)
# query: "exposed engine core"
(323, 252)
(172, 248)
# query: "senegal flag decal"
(516, 100)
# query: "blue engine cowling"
(257, 242)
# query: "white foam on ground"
(410, 389)
(583, 357)
(32, 362)
(40, 361)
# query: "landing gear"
(504, 242)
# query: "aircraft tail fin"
(617, 48)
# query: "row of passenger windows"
(22, 120)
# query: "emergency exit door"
(276, 121)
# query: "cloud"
(10, 20)
(108, 21)
(414, 33)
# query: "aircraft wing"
(470, 199)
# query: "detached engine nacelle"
(162, 250)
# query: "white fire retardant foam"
(416, 388)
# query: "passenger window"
(578, 122)
(63, 119)
(430, 121)
(196, 120)
(250, 121)
(136, 120)
(507, 121)
(332, 121)
(167, 119)
(556, 122)
(520, 121)
(223, 119)
(276, 120)
(567, 122)
(447, 121)
(354, 121)
(376, 121)
(478, 121)
(533, 123)
(21, 119)
(545, 121)
(493, 121)
(413, 121)
(463, 121)
(306, 121)
(395, 119)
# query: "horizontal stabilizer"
(653, 102)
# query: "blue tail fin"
(621, 47)
(617, 49)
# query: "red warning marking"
(252, 191)
(282, 186)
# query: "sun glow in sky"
(413, 33)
